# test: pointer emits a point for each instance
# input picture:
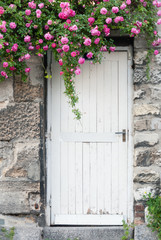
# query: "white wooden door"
(89, 182)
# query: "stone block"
(6, 157)
(14, 197)
(28, 233)
(20, 120)
(26, 92)
(147, 176)
(146, 157)
(140, 75)
(155, 124)
(146, 139)
(26, 161)
(6, 90)
(140, 43)
(37, 70)
(13, 202)
(145, 109)
(142, 232)
(140, 192)
(140, 57)
(140, 125)
(84, 233)
(138, 94)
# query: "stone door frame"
(130, 141)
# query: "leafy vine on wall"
(74, 30)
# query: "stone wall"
(147, 128)
(21, 148)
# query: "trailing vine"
(74, 30)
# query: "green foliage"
(137, 16)
(154, 213)
(7, 234)
(127, 229)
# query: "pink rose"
(49, 22)
(91, 20)
(48, 36)
(4, 74)
(77, 71)
(1, 36)
(27, 38)
(27, 70)
(60, 62)
(108, 20)
(5, 64)
(89, 55)
(159, 21)
(27, 56)
(13, 25)
(112, 49)
(103, 11)
(1, 10)
(64, 40)
(61, 73)
(41, 5)
(87, 42)
(40, 41)
(156, 52)
(81, 60)
(14, 47)
(123, 6)
(32, 5)
(65, 48)
(115, 9)
(45, 48)
(28, 12)
(128, 2)
(53, 45)
(97, 40)
(73, 54)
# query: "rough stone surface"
(155, 124)
(146, 139)
(143, 232)
(139, 94)
(147, 157)
(17, 201)
(28, 233)
(20, 120)
(140, 192)
(145, 109)
(81, 233)
(6, 90)
(26, 92)
(141, 125)
(147, 177)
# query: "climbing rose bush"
(74, 30)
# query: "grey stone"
(14, 197)
(145, 109)
(6, 157)
(13, 202)
(20, 120)
(146, 139)
(138, 94)
(27, 233)
(37, 70)
(147, 157)
(140, 75)
(140, 57)
(26, 161)
(140, 192)
(155, 124)
(147, 176)
(140, 43)
(6, 90)
(84, 233)
(142, 232)
(141, 125)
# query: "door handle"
(123, 134)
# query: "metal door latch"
(123, 134)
